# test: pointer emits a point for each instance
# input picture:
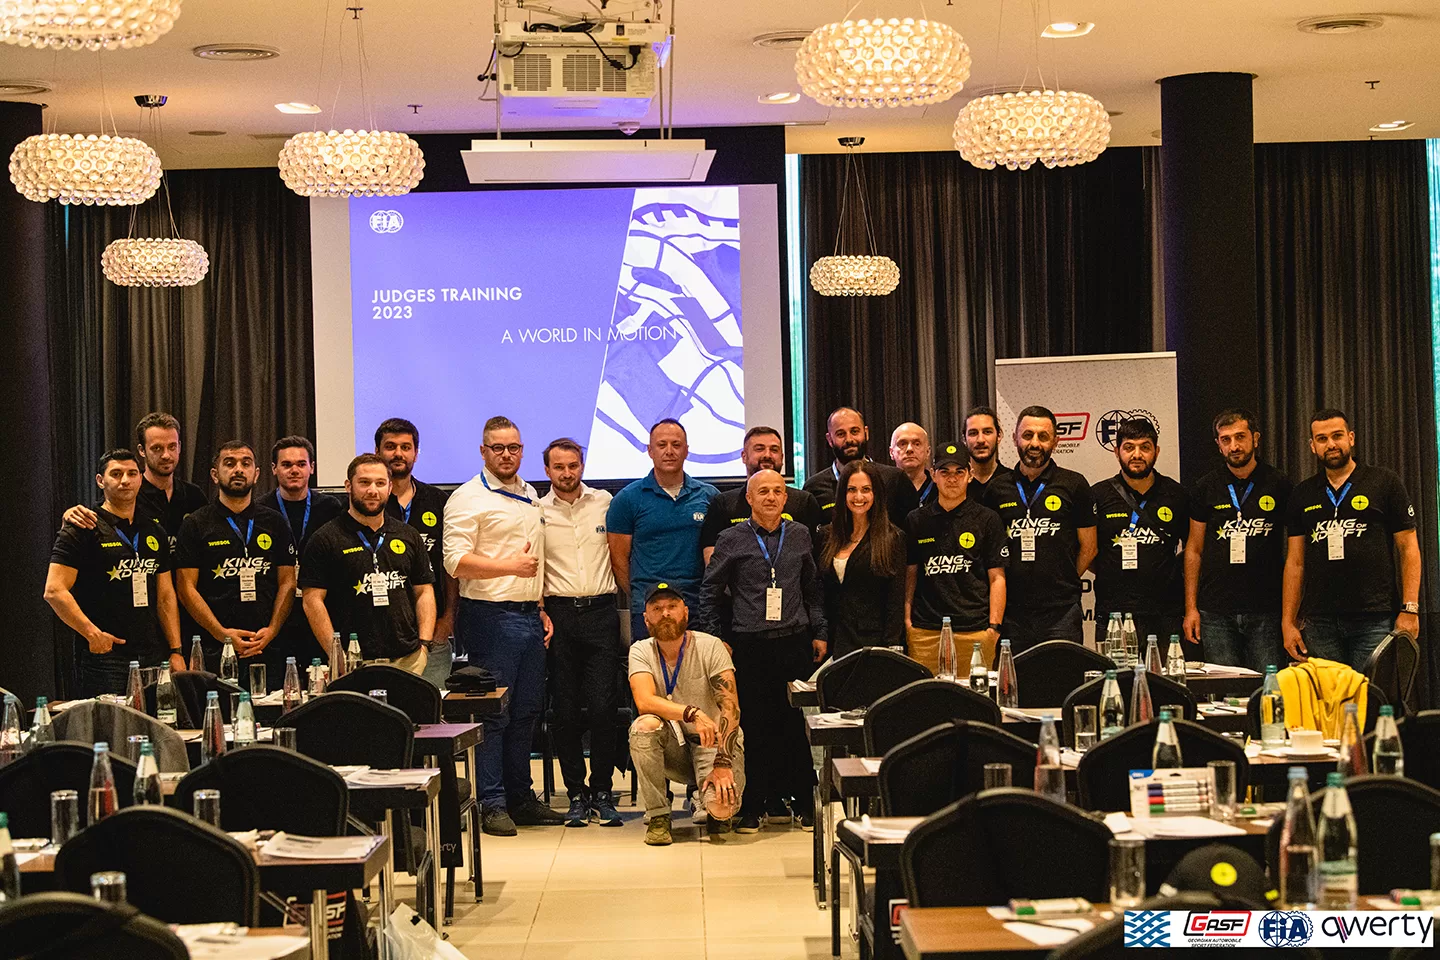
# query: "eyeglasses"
(499, 448)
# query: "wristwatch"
(996, 627)
(1411, 607)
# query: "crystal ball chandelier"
(86, 169)
(882, 63)
(854, 276)
(1058, 128)
(86, 25)
(363, 163)
(155, 262)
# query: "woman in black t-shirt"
(862, 562)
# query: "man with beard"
(495, 546)
(849, 440)
(763, 449)
(111, 584)
(654, 525)
(292, 461)
(910, 451)
(777, 634)
(423, 508)
(1235, 554)
(687, 727)
(367, 574)
(982, 439)
(1346, 524)
(235, 565)
(1141, 520)
(585, 650)
(1050, 527)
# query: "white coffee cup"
(1307, 741)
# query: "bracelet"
(690, 712)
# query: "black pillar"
(27, 515)
(1207, 159)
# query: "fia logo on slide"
(386, 221)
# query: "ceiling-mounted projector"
(607, 70)
(587, 161)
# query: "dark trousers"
(508, 640)
(1028, 627)
(777, 753)
(584, 673)
(108, 672)
(1347, 639)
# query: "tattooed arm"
(728, 726)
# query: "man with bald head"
(778, 633)
(849, 440)
(910, 449)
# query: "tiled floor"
(599, 893)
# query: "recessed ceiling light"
(207, 133)
(1066, 29)
(1391, 126)
(777, 99)
(297, 106)
(1155, 134)
(1336, 25)
(780, 39)
(235, 51)
(23, 88)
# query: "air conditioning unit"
(566, 75)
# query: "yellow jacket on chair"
(1316, 692)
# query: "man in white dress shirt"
(495, 546)
(585, 651)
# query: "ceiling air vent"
(780, 39)
(1331, 26)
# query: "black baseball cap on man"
(955, 453)
(662, 590)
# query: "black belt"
(516, 606)
(580, 603)
(775, 634)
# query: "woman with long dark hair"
(862, 562)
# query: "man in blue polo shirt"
(654, 526)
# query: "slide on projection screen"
(582, 313)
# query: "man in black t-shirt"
(763, 449)
(422, 506)
(1141, 520)
(111, 584)
(982, 439)
(368, 574)
(1050, 524)
(1346, 524)
(910, 452)
(955, 557)
(292, 461)
(849, 439)
(235, 566)
(1236, 552)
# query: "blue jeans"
(1348, 639)
(508, 640)
(1243, 640)
(437, 668)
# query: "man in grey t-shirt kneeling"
(688, 728)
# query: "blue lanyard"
(672, 678)
(779, 547)
(926, 490)
(134, 545)
(835, 469)
(249, 529)
(305, 521)
(1020, 489)
(503, 493)
(1336, 500)
(1135, 514)
(405, 507)
(375, 550)
(1240, 500)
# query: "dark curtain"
(230, 357)
(993, 264)
(1343, 248)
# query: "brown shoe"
(658, 833)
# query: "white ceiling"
(429, 51)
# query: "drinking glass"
(207, 807)
(1087, 726)
(1222, 788)
(64, 816)
(285, 737)
(1050, 781)
(382, 695)
(1102, 647)
(108, 886)
(234, 705)
(997, 775)
(1177, 711)
(257, 681)
(132, 746)
(1127, 871)
(1435, 861)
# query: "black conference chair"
(412, 694)
(191, 687)
(860, 678)
(1047, 672)
(947, 762)
(1374, 700)
(1394, 817)
(269, 788)
(1394, 667)
(918, 706)
(72, 926)
(1163, 691)
(998, 844)
(25, 784)
(1420, 736)
(177, 869)
(1103, 778)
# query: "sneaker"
(749, 824)
(715, 827)
(807, 821)
(777, 812)
(604, 807)
(530, 812)
(497, 823)
(658, 833)
(579, 813)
